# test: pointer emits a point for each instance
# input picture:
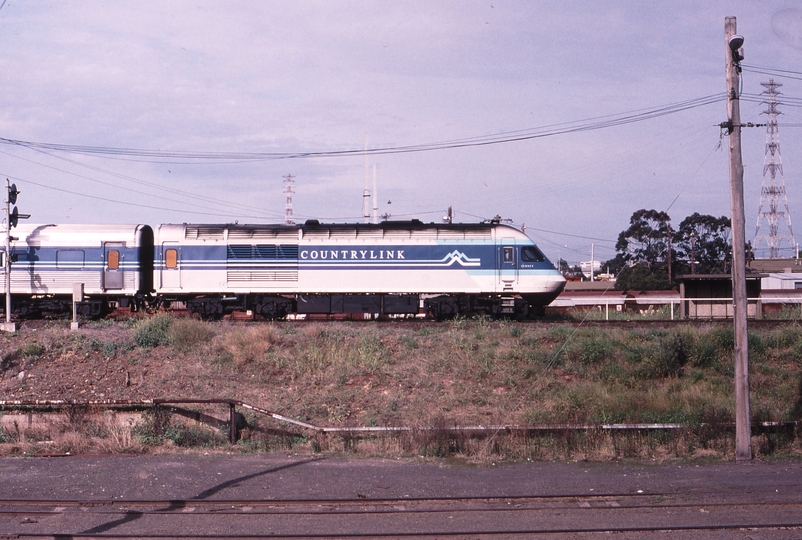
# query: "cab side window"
(532, 254)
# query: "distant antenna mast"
(772, 193)
(375, 198)
(288, 181)
(366, 191)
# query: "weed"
(559, 334)
(153, 332)
(186, 334)
(704, 353)
(371, 353)
(247, 345)
(612, 371)
(696, 375)
(33, 349)
(190, 436)
(485, 365)
(5, 435)
(671, 359)
(409, 341)
(724, 338)
(784, 337)
(757, 346)
(595, 350)
(789, 312)
(109, 350)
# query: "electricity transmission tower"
(773, 192)
(288, 180)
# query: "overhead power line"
(784, 100)
(127, 203)
(775, 72)
(214, 203)
(590, 124)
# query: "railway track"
(639, 515)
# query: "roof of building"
(597, 286)
(767, 266)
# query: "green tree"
(644, 250)
(646, 241)
(614, 265)
(640, 277)
(704, 242)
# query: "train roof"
(414, 224)
(313, 224)
(32, 231)
(313, 228)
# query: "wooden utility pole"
(743, 432)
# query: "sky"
(195, 111)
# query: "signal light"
(14, 216)
(12, 194)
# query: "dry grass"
(463, 372)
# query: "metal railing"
(232, 425)
(691, 308)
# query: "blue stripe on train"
(434, 257)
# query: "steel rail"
(424, 534)
(379, 511)
(101, 507)
(163, 505)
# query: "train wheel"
(208, 308)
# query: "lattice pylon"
(772, 192)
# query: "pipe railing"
(232, 404)
(653, 304)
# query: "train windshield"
(532, 254)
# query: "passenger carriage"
(112, 264)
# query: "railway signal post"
(734, 55)
(12, 217)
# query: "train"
(393, 268)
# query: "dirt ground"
(98, 361)
(436, 376)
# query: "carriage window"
(532, 254)
(72, 259)
(171, 258)
(508, 255)
(113, 258)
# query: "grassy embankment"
(441, 375)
